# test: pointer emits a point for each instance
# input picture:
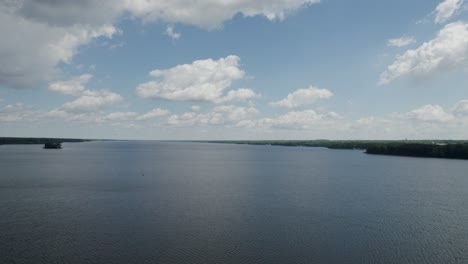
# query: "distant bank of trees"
(450, 149)
(15, 140)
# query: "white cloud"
(426, 122)
(371, 121)
(92, 100)
(401, 42)
(121, 119)
(202, 80)
(17, 112)
(446, 10)
(57, 113)
(185, 119)
(121, 116)
(75, 86)
(156, 112)
(447, 51)
(33, 48)
(240, 95)
(302, 120)
(220, 115)
(42, 33)
(118, 45)
(233, 113)
(206, 14)
(82, 117)
(171, 33)
(461, 108)
(303, 97)
(211, 14)
(428, 113)
(65, 13)
(196, 108)
(89, 100)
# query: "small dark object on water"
(53, 145)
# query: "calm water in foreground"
(160, 202)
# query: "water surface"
(162, 202)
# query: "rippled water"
(160, 202)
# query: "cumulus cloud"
(57, 113)
(206, 14)
(185, 119)
(429, 113)
(244, 117)
(401, 42)
(97, 117)
(122, 119)
(66, 13)
(92, 100)
(232, 113)
(156, 112)
(448, 51)
(461, 108)
(302, 120)
(171, 33)
(42, 33)
(17, 112)
(89, 100)
(428, 121)
(220, 115)
(240, 95)
(121, 116)
(210, 14)
(32, 49)
(446, 10)
(75, 86)
(303, 97)
(370, 121)
(202, 80)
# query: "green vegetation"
(53, 145)
(16, 140)
(450, 149)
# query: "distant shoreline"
(31, 140)
(445, 149)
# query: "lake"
(180, 202)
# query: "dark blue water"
(156, 202)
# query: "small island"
(53, 145)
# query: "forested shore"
(449, 149)
(21, 141)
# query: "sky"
(237, 69)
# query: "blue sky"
(290, 69)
